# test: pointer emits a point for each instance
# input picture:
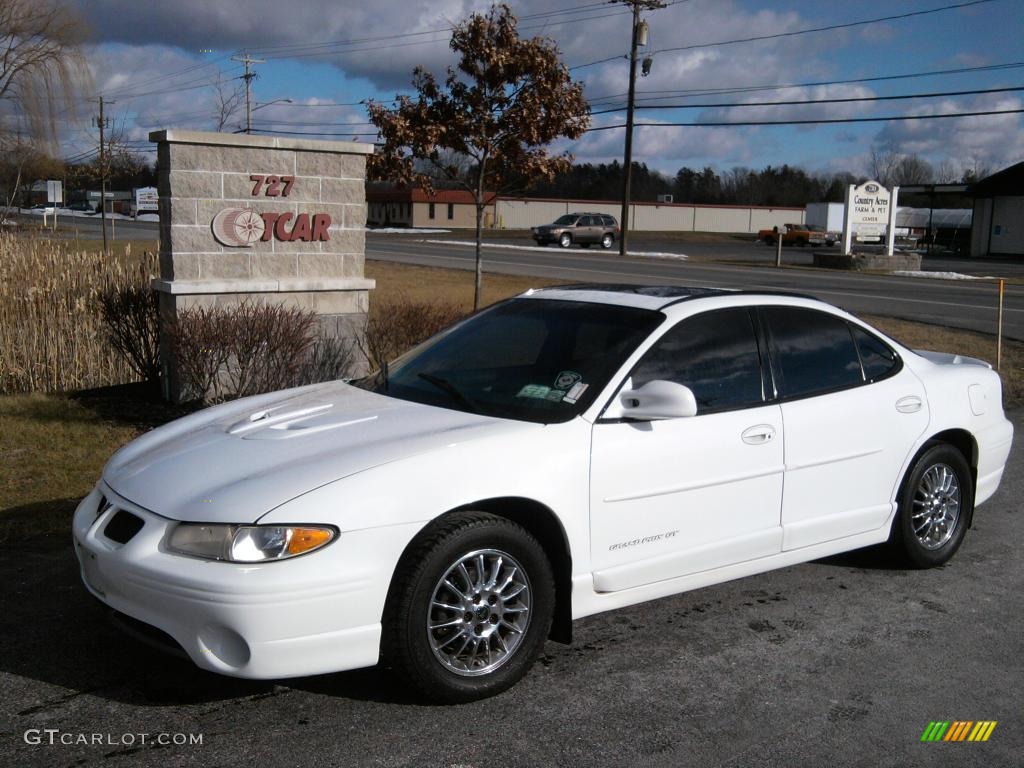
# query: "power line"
(845, 25)
(795, 102)
(782, 86)
(794, 33)
(822, 121)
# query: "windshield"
(565, 220)
(539, 360)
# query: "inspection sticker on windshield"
(538, 391)
(566, 379)
(575, 393)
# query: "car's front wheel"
(565, 240)
(935, 504)
(469, 608)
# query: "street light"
(275, 101)
(248, 114)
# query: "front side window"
(814, 352)
(540, 360)
(566, 221)
(715, 354)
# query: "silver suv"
(584, 229)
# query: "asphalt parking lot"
(839, 662)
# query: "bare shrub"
(329, 358)
(131, 315)
(223, 353)
(396, 326)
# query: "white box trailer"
(828, 216)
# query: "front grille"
(123, 526)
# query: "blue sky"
(152, 60)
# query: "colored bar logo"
(958, 730)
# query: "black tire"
(565, 240)
(607, 241)
(904, 541)
(406, 643)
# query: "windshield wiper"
(449, 388)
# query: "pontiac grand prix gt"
(566, 452)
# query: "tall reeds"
(52, 334)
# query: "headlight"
(248, 543)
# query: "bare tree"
(882, 164)
(229, 97)
(41, 62)
(911, 169)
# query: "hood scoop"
(279, 424)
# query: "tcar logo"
(241, 227)
(238, 227)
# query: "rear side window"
(814, 351)
(875, 355)
(715, 354)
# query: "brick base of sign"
(869, 262)
(262, 219)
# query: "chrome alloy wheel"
(936, 506)
(479, 612)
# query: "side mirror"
(658, 399)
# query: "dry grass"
(53, 450)
(454, 286)
(52, 336)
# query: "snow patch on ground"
(404, 231)
(940, 275)
(541, 248)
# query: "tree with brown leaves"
(487, 128)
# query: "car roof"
(654, 297)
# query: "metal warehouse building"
(999, 213)
(453, 209)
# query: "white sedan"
(569, 451)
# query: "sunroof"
(655, 291)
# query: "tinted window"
(566, 220)
(814, 351)
(875, 355)
(714, 354)
(531, 359)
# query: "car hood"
(236, 462)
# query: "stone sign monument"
(259, 218)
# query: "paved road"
(961, 303)
(838, 662)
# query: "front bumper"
(314, 614)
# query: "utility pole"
(637, 5)
(101, 123)
(249, 76)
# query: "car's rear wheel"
(607, 241)
(469, 609)
(935, 504)
(565, 240)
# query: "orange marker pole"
(999, 327)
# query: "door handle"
(909, 404)
(759, 435)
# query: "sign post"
(890, 235)
(55, 195)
